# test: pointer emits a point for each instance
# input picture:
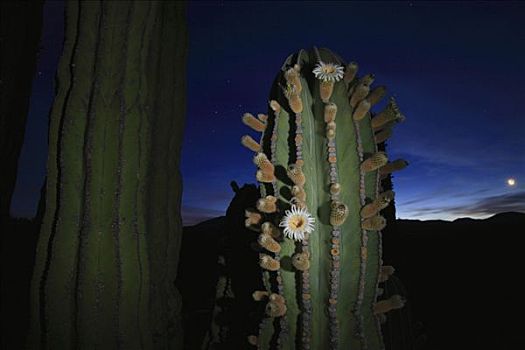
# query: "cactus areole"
(320, 171)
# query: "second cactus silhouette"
(319, 171)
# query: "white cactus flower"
(296, 222)
(328, 71)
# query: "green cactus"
(107, 254)
(320, 156)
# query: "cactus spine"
(107, 254)
(321, 142)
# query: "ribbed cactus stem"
(338, 215)
(327, 170)
(107, 254)
(385, 196)
(301, 259)
(359, 327)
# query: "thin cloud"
(194, 215)
(483, 207)
(499, 204)
(442, 193)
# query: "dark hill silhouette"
(18, 247)
(462, 279)
(197, 276)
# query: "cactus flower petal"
(328, 71)
(297, 222)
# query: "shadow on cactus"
(317, 221)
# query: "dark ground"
(463, 279)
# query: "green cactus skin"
(352, 324)
(107, 254)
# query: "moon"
(511, 182)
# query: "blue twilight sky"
(455, 68)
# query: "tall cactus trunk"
(108, 248)
(318, 156)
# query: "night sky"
(456, 69)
